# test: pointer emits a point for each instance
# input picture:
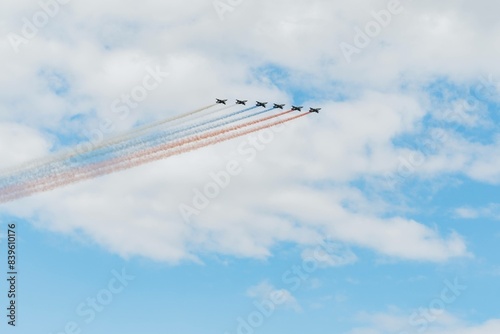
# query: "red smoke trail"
(139, 158)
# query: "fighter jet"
(221, 101)
(243, 102)
(297, 108)
(278, 106)
(316, 110)
(261, 104)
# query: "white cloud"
(102, 51)
(250, 216)
(266, 291)
(491, 211)
(330, 255)
(457, 155)
(394, 322)
(19, 144)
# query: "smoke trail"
(33, 168)
(135, 143)
(141, 158)
(73, 152)
(147, 127)
(151, 137)
(174, 134)
(190, 144)
(73, 172)
(146, 159)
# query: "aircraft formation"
(275, 105)
(166, 137)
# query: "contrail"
(140, 158)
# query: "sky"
(378, 215)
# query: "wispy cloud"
(491, 211)
(266, 291)
(395, 322)
(336, 256)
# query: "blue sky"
(378, 215)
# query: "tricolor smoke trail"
(149, 143)
(60, 176)
(136, 131)
(151, 138)
(50, 164)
